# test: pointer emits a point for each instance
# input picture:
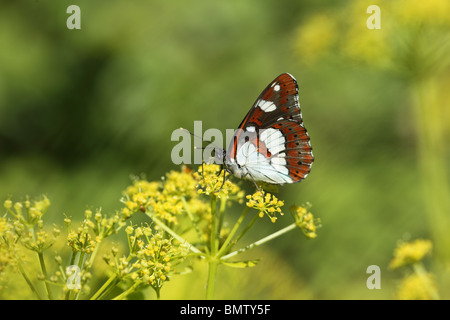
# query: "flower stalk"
(262, 241)
(212, 261)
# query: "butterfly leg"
(223, 183)
(256, 185)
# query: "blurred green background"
(81, 110)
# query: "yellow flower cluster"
(137, 196)
(81, 240)
(152, 257)
(417, 287)
(163, 198)
(168, 198)
(410, 253)
(92, 230)
(266, 204)
(158, 258)
(305, 220)
(41, 240)
(180, 182)
(28, 214)
(210, 180)
(7, 241)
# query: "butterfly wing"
(271, 144)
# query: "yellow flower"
(81, 240)
(142, 186)
(180, 183)
(417, 287)
(166, 198)
(210, 179)
(410, 252)
(266, 204)
(156, 256)
(305, 220)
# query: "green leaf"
(241, 264)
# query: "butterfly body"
(271, 144)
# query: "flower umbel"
(266, 203)
(151, 259)
(410, 252)
(210, 179)
(163, 198)
(305, 220)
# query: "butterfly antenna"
(194, 135)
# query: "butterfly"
(271, 145)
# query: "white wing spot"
(273, 139)
(277, 87)
(279, 161)
(267, 106)
(251, 129)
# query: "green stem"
(131, 289)
(262, 241)
(252, 222)
(194, 222)
(72, 261)
(158, 293)
(24, 275)
(228, 244)
(212, 263)
(80, 266)
(212, 270)
(109, 289)
(76, 259)
(432, 146)
(222, 207)
(94, 254)
(100, 291)
(109, 284)
(44, 272)
(213, 245)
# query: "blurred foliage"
(81, 110)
